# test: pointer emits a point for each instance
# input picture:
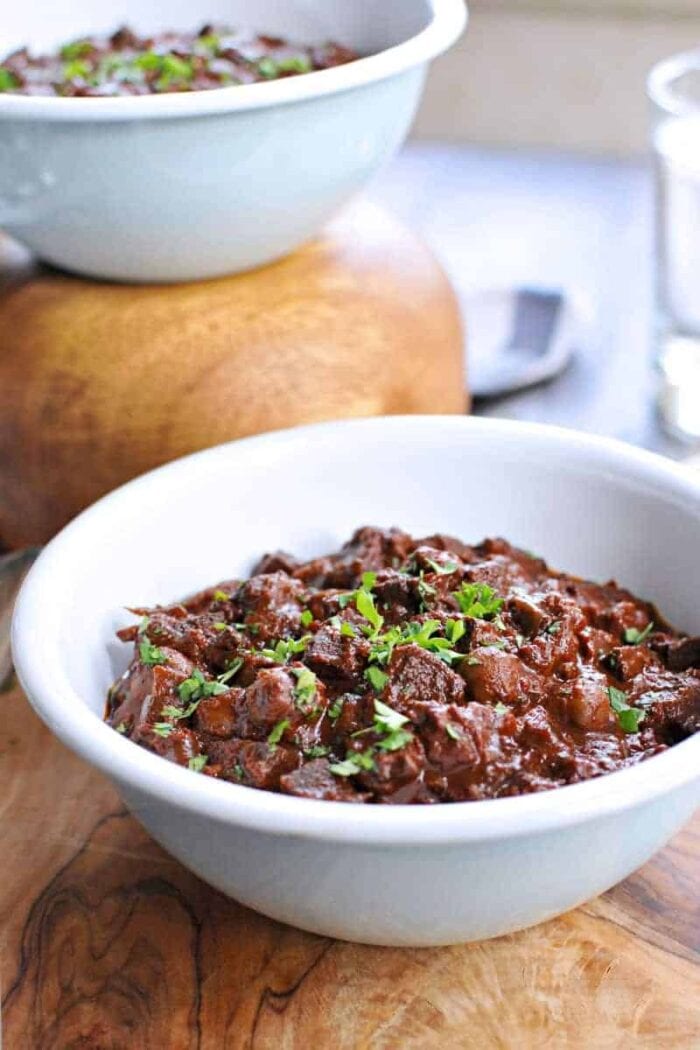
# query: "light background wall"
(566, 74)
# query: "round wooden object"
(100, 382)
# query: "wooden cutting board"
(109, 944)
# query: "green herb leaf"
(150, 654)
(336, 709)
(501, 709)
(76, 70)
(233, 669)
(221, 596)
(442, 570)
(220, 626)
(198, 763)
(376, 678)
(364, 603)
(454, 630)
(478, 600)
(629, 718)
(355, 762)
(276, 734)
(197, 687)
(635, 637)
(8, 81)
(76, 49)
(295, 64)
(307, 617)
(554, 628)
(347, 630)
(163, 729)
(454, 732)
(267, 67)
(305, 689)
(317, 751)
(286, 648)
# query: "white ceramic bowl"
(177, 187)
(400, 875)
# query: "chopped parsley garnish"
(163, 729)
(122, 727)
(277, 733)
(77, 69)
(376, 677)
(478, 600)
(442, 570)
(220, 625)
(197, 687)
(285, 648)
(221, 596)
(347, 630)
(210, 42)
(198, 763)
(294, 64)
(305, 689)
(307, 618)
(336, 709)
(364, 603)
(453, 732)
(151, 654)
(554, 628)
(421, 634)
(8, 81)
(317, 751)
(76, 49)
(454, 630)
(501, 709)
(635, 637)
(232, 670)
(238, 772)
(388, 725)
(628, 717)
(355, 762)
(267, 67)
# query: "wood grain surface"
(109, 944)
(101, 382)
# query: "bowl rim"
(449, 17)
(61, 708)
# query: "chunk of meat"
(277, 561)
(315, 780)
(588, 701)
(680, 654)
(273, 605)
(494, 676)
(415, 674)
(254, 763)
(273, 698)
(138, 697)
(216, 716)
(338, 657)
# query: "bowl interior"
(367, 26)
(593, 508)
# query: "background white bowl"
(380, 874)
(178, 187)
